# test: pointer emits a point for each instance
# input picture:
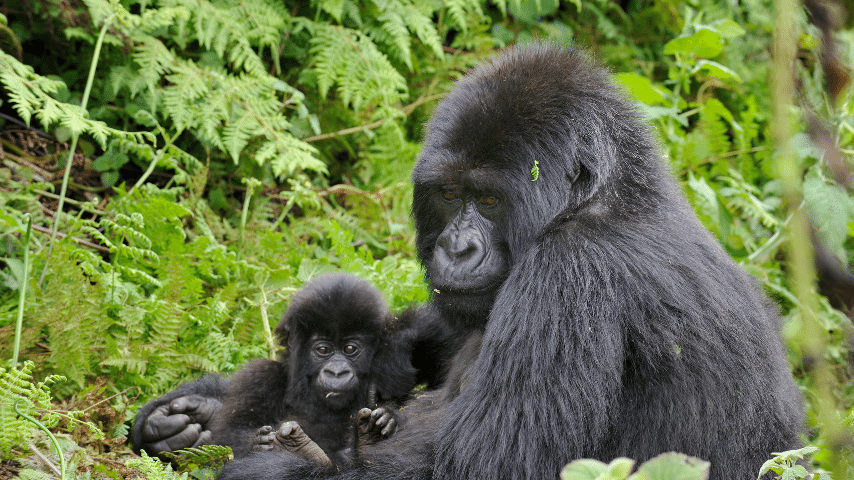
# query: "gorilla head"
(333, 327)
(476, 205)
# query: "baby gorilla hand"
(375, 425)
(289, 438)
(180, 424)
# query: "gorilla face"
(337, 367)
(464, 254)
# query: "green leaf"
(111, 160)
(715, 69)
(794, 473)
(620, 468)
(729, 28)
(705, 43)
(831, 210)
(584, 469)
(641, 88)
(108, 179)
(673, 466)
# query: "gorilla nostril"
(337, 372)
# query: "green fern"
(364, 76)
(17, 388)
(230, 111)
(190, 459)
(153, 469)
(462, 12)
(30, 95)
(396, 20)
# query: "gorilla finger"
(384, 419)
(379, 412)
(199, 407)
(264, 430)
(390, 428)
(186, 438)
(206, 438)
(159, 425)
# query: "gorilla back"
(604, 320)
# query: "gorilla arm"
(255, 398)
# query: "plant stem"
(83, 102)
(50, 435)
(22, 288)
(158, 155)
(812, 335)
(265, 320)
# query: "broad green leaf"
(729, 28)
(584, 469)
(620, 468)
(715, 69)
(704, 44)
(673, 466)
(830, 209)
(641, 88)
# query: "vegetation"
(188, 164)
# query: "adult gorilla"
(604, 319)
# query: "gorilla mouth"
(467, 290)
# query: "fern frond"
(190, 459)
(153, 469)
(153, 58)
(186, 87)
(30, 95)
(459, 11)
(17, 388)
(167, 321)
(351, 59)
(419, 20)
(395, 33)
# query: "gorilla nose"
(461, 247)
(338, 372)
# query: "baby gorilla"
(344, 351)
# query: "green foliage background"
(231, 151)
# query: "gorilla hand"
(180, 424)
(375, 425)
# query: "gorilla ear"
(283, 332)
(572, 176)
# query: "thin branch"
(78, 240)
(370, 126)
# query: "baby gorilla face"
(338, 367)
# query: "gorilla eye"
(323, 349)
(488, 200)
(449, 194)
(350, 349)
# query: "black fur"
(335, 307)
(619, 327)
